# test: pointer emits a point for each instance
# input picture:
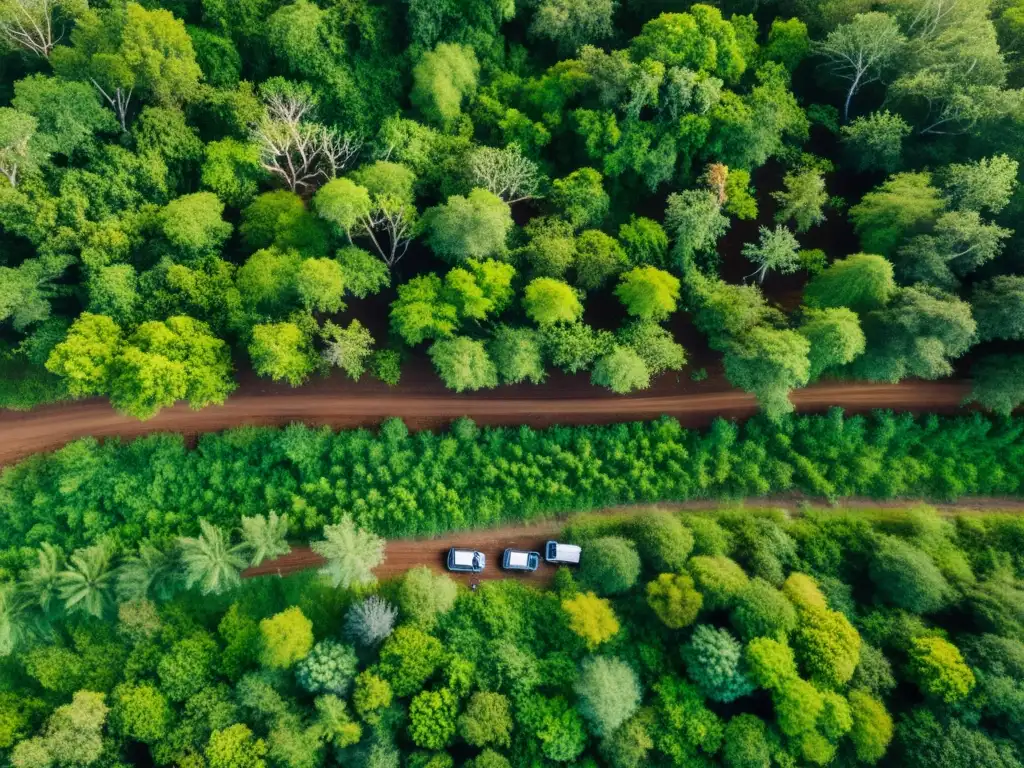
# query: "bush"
(424, 595)
(719, 579)
(287, 638)
(746, 743)
(487, 720)
(408, 658)
(907, 577)
(609, 565)
(432, 718)
(763, 611)
(872, 727)
(940, 670)
(369, 622)
(591, 618)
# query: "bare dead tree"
(30, 24)
(506, 172)
(303, 153)
(390, 225)
(119, 99)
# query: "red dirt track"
(50, 427)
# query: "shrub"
(762, 611)
(609, 566)
(370, 621)
(408, 658)
(872, 727)
(370, 695)
(487, 720)
(746, 743)
(770, 663)
(424, 595)
(432, 718)
(907, 577)
(940, 670)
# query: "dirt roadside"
(402, 554)
(50, 427)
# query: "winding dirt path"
(402, 554)
(567, 401)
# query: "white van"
(568, 554)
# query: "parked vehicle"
(519, 560)
(466, 560)
(567, 554)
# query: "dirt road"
(568, 402)
(403, 554)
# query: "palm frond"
(210, 561)
(351, 553)
(86, 584)
(151, 572)
(265, 537)
(41, 585)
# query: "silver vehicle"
(518, 560)
(466, 560)
(568, 554)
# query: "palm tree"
(265, 538)
(41, 584)
(211, 561)
(351, 553)
(86, 584)
(151, 571)
(12, 618)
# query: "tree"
(351, 553)
(598, 258)
(18, 150)
(875, 142)
(442, 79)
(129, 51)
(572, 24)
(644, 241)
(862, 282)
(872, 727)
(74, 732)
(719, 580)
(581, 198)
(940, 670)
(320, 284)
(370, 695)
(916, 335)
(611, 566)
(622, 371)
(408, 658)
(85, 356)
(551, 247)
(861, 51)
(761, 610)
(392, 219)
(41, 583)
(997, 383)
(86, 584)
(777, 250)
(422, 312)
(113, 291)
(987, 184)
(655, 346)
(517, 354)
(472, 227)
(487, 720)
(674, 600)
(151, 572)
(803, 200)
(694, 219)
(835, 338)
(788, 43)
(699, 40)
(432, 718)
(281, 351)
(904, 205)
(364, 274)
(662, 540)
(998, 308)
(140, 713)
(549, 301)
(714, 660)
(333, 723)
(265, 537)
(370, 621)
(609, 693)
(463, 363)
(591, 618)
(347, 348)
(769, 363)
(286, 638)
(770, 663)
(293, 147)
(959, 243)
(37, 25)
(330, 668)
(506, 172)
(574, 346)
(424, 596)
(907, 577)
(235, 747)
(210, 561)
(648, 293)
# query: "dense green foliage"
(838, 672)
(187, 185)
(394, 483)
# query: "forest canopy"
(823, 188)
